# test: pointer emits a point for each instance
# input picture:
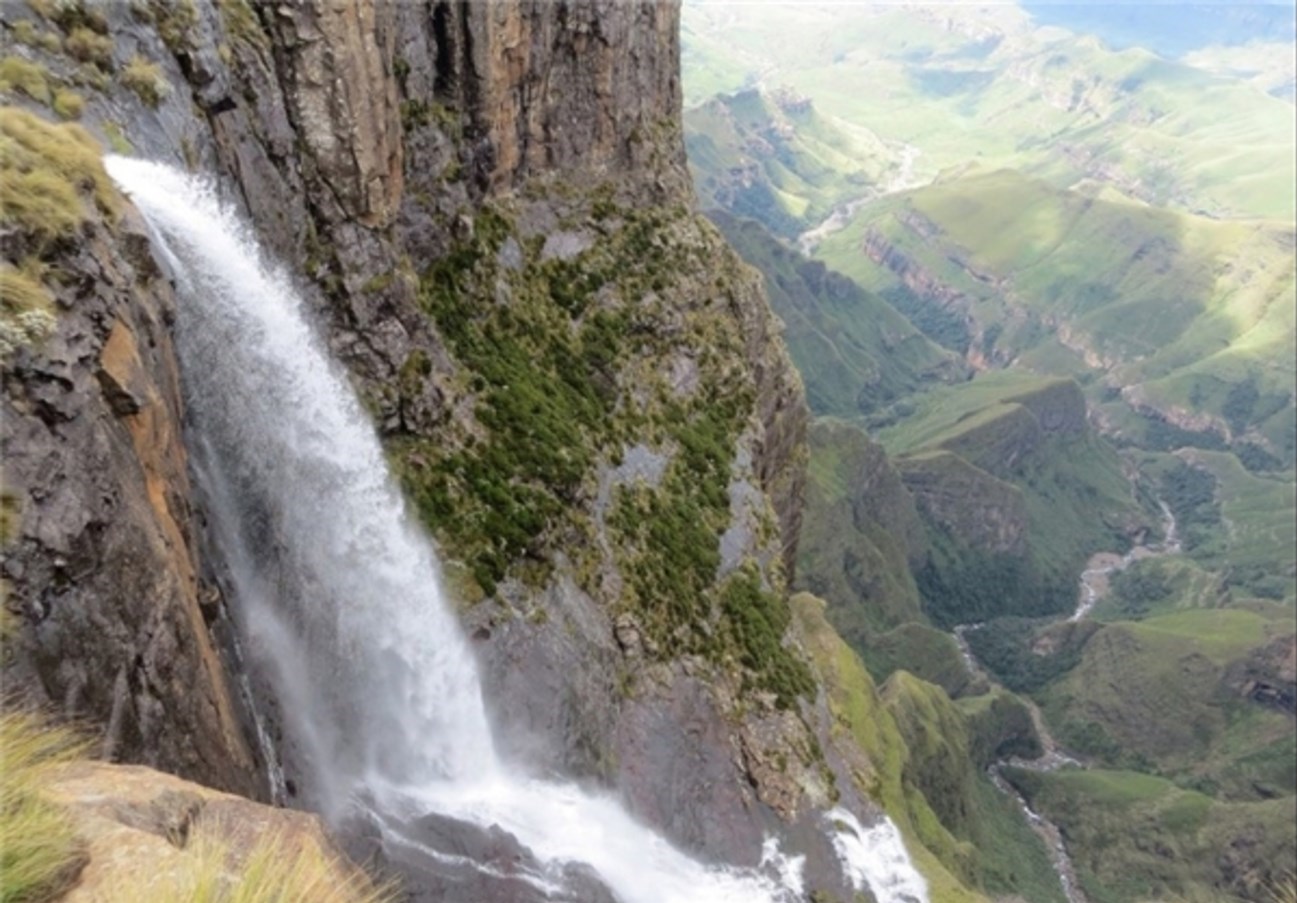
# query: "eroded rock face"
(336, 71)
(588, 85)
(103, 568)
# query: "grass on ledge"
(44, 170)
(39, 849)
(41, 855)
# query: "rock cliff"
(102, 559)
(435, 174)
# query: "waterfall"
(337, 590)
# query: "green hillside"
(1017, 491)
(1135, 837)
(1166, 694)
(963, 82)
(1163, 311)
(775, 157)
(854, 351)
(1105, 238)
(923, 757)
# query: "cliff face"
(436, 173)
(102, 561)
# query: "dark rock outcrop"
(103, 569)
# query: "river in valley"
(842, 214)
(1094, 586)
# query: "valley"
(1075, 485)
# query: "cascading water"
(339, 598)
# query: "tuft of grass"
(174, 20)
(19, 76)
(86, 46)
(241, 21)
(10, 522)
(146, 80)
(68, 104)
(39, 849)
(44, 168)
(277, 870)
(41, 854)
(71, 14)
(24, 32)
(1284, 890)
(26, 309)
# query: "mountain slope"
(1183, 315)
(959, 82)
(855, 352)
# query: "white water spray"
(338, 589)
(874, 858)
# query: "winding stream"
(1094, 584)
(845, 212)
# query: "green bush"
(759, 620)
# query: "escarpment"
(580, 386)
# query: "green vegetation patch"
(1136, 837)
(759, 620)
(543, 397)
(1027, 654)
(1158, 695)
(562, 358)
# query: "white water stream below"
(339, 601)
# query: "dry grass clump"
(39, 850)
(20, 76)
(24, 31)
(41, 854)
(26, 308)
(276, 871)
(44, 169)
(1284, 890)
(88, 46)
(146, 80)
(68, 104)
